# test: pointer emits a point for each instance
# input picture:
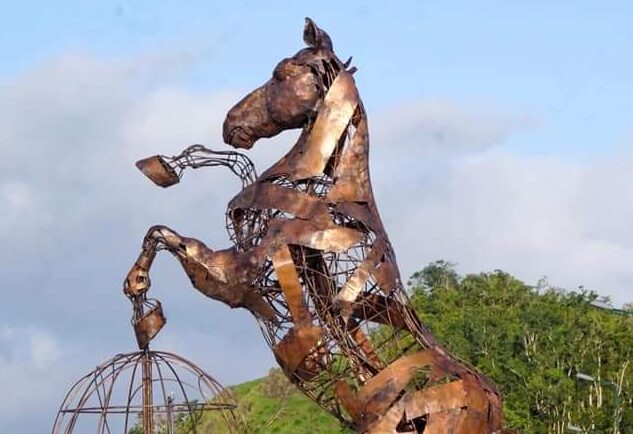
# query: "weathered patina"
(312, 261)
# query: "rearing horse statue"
(312, 262)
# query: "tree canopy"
(532, 341)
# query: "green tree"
(532, 341)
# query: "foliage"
(532, 341)
(272, 405)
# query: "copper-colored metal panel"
(290, 285)
(377, 308)
(148, 325)
(435, 399)
(364, 343)
(495, 411)
(356, 283)
(477, 398)
(296, 345)
(363, 213)
(309, 233)
(472, 422)
(381, 391)
(333, 118)
(387, 276)
(354, 286)
(157, 169)
(385, 424)
(266, 196)
(137, 282)
(351, 179)
(348, 399)
(443, 423)
(335, 239)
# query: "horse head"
(290, 98)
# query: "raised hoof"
(137, 282)
(158, 170)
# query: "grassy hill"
(531, 341)
(271, 405)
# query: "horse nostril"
(239, 137)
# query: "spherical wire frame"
(94, 396)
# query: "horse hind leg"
(461, 406)
(224, 275)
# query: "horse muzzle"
(249, 120)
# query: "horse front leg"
(224, 275)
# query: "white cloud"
(17, 200)
(530, 216)
(30, 370)
(73, 210)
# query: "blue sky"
(564, 62)
(501, 139)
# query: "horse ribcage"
(353, 348)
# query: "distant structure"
(145, 392)
(312, 262)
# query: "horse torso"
(342, 315)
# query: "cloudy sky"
(501, 139)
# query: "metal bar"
(148, 404)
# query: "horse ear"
(316, 37)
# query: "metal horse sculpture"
(313, 263)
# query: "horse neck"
(333, 148)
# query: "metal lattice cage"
(147, 392)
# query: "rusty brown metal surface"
(147, 322)
(157, 169)
(148, 395)
(312, 261)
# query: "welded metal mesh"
(113, 398)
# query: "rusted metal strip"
(386, 275)
(348, 400)
(359, 211)
(495, 410)
(435, 399)
(314, 234)
(351, 179)
(386, 424)
(335, 239)
(356, 283)
(477, 398)
(379, 309)
(298, 343)
(290, 285)
(333, 118)
(443, 423)
(364, 343)
(148, 396)
(265, 196)
(381, 391)
(471, 421)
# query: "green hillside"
(531, 341)
(269, 405)
(272, 405)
